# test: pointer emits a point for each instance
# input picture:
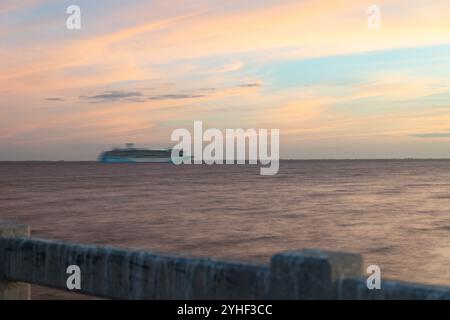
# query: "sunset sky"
(139, 69)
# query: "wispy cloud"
(133, 96)
(175, 96)
(432, 135)
(250, 85)
(109, 96)
(55, 99)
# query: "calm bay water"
(394, 212)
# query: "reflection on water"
(395, 213)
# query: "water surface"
(394, 212)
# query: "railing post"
(12, 290)
(311, 274)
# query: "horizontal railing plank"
(132, 274)
(127, 274)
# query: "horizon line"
(286, 159)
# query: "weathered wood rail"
(128, 274)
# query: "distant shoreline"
(284, 160)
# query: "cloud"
(250, 85)
(109, 96)
(432, 135)
(234, 66)
(134, 96)
(175, 96)
(55, 99)
(398, 86)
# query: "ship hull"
(134, 160)
(135, 155)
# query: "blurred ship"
(130, 154)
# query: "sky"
(139, 69)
